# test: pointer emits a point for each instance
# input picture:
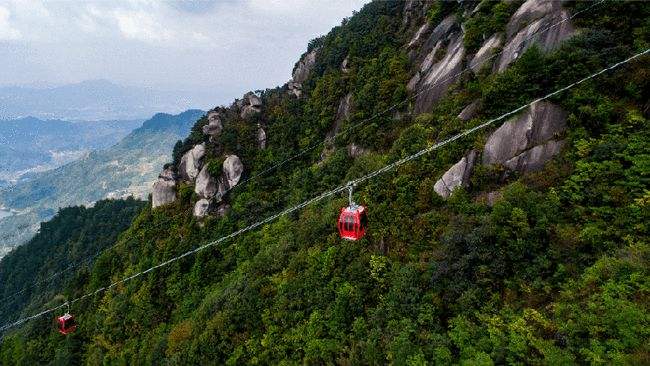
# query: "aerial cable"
(327, 194)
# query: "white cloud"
(226, 46)
(142, 26)
(7, 32)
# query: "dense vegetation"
(63, 249)
(555, 272)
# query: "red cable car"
(353, 220)
(66, 324)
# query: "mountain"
(126, 168)
(507, 202)
(95, 100)
(32, 145)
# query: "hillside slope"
(524, 243)
(126, 168)
(63, 248)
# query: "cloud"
(142, 26)
(7, 32)
(226, 46)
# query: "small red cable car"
(353, 220)
(66, 324)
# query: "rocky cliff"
(440, 59)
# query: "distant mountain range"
(127, 168)
(97, 100)
(29, 145)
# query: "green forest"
(555, 271)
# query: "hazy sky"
(232, 46)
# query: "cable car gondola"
(353, 220)
(66, 322)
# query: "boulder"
(261, 138)
(534, 16)
(295, 88)
(167, 174)
(540, 123)
(191, 162)
(164, 189)
(457, 176)
(214, 126)
(485, 53)
(470, 110)
(249, 105)
(253, 99)
(232, 170)
(304, 66)
(202, 208)
(249, 110)
(206, 185)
